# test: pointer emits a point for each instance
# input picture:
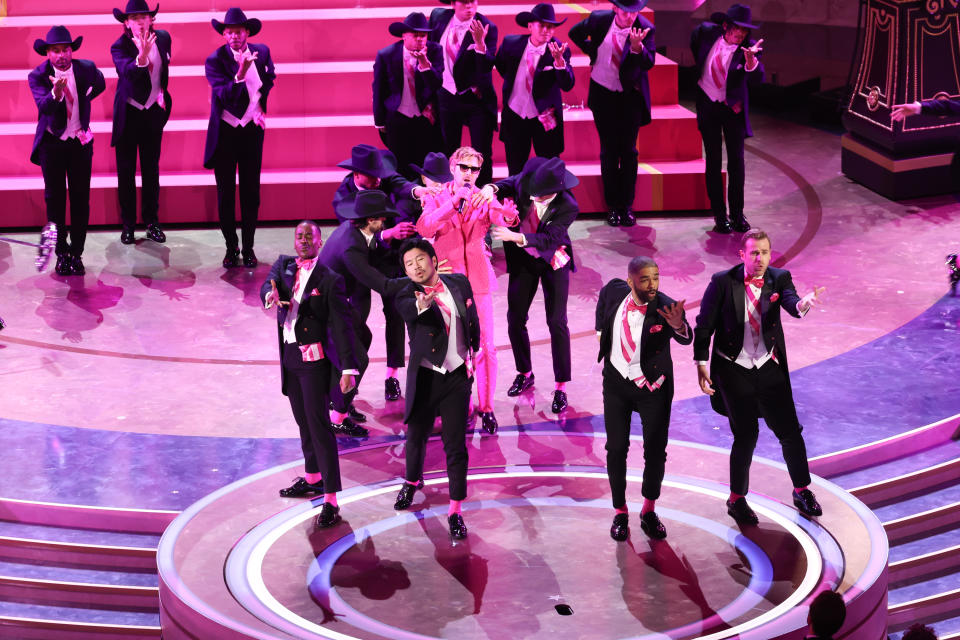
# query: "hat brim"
(436, 177)
(719, 18)
(252, 25)
(397, 29)
(385, 172)
(569, 182)
(631, 6)
(526, 17)
(41, 46)
(745, 25)
(122, 17)
(348, 211)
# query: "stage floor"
(153, 380)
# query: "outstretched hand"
(899, 112)
(273, 296)
(673, 314)
(811, 299)
(637, 37)
(424, 300)
(750, 53)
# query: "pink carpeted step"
(292, 35)
(295, 194)
(326, 140)
(300, 88)
(60, 7)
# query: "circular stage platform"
(538, 561)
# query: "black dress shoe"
(231, 258)
(301, 487)
(354, 414)
(651, 525)
(721, 226)
(627, 219)
(520, 384)
(405, 495)
(250, 259)
(613, 219)
(488, 422)
(329, 516)
(76, 266)
(64, 266)
(807, 503)
(156, 234)
(741, 512)
(349, 428)
(559, 401)
(391, 389)
(458, 530)
(126, 236)
(620, 530)
(739, 224)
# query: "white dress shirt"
(521, 100)
(253, 82)
(73, 120)
(456, 343)
(154, 57)
(462, 28)
(408, 100)
(289, 335)
(605, 71)
(725, 50)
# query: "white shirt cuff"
(700, 362)
(756, 63)
(352, 372)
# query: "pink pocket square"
(469, 302)
(315, 292)
(657, 328)
(774, 297)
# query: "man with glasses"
(457, 219)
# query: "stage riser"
(352, 37)
(662, 140)
(198, 204)
(897, 185)
(302, 93)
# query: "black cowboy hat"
(134, 6)
(544, 176)
(630, 5)
(436, 166)
(236, 18)
(369, 160)
(543, 12)
(369, 203)
(416, 22)
(738, 14)
(56, 35)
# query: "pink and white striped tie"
(753, 308)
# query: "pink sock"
(330, 498)
(411, 481)
(312, 478)
(799, 489)
(391, 372)
(561, 386)
(735, 496)
(622, 509)
(525, 374)
(454, 507)
(648, 506)
(336, 417)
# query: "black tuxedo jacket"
(589, 33)
(398, 190)
(53, 113)
(428, 336)
(552, 231)
(320, 318)
(548, 81)
(346, 252)
(134, 82)
(701, 41)
(388, 80)
(471, 70)
(655, 357)
(228, 95)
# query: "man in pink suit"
(457, 218)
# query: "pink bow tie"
(757, 282)
(633, 306)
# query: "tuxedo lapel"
(765, 293)
(738, 292)
(457, 300)
(229, 63)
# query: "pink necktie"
(717, 69)
(529, 225)
(629, 347)
(453, 45)
(444, 309)
(532, 59)
(71, 102)
(618, 46)
(314, 351)
(411, 82)
(753, 309)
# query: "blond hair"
(463, 153)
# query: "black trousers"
(410, 140)
(457, 111)
(718, 124)
(306, 386)
(621, 397)
(749, 394)
(520, 134)
(447, 396)
(239, 152)
(359, 310)
(142, 132)
(618, 125)
(67, 162)
(528, 272)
